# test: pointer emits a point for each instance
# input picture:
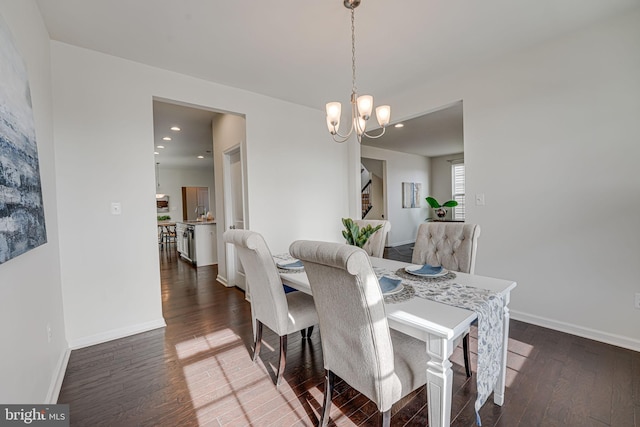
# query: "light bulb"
(383, 115)
(334, 110)
(365, 106)
(360, 124)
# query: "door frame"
(230, 252)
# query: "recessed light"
(156, 153)
(398, 125)
(175, 128)
(201, 157)
(160, 146)
(166, 138)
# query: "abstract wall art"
(22, 223)
(411, 194)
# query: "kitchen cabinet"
(197, 242)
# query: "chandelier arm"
(375, 136)
(339, 140)
(345, 137)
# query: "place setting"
(425, 273)
(288, 264)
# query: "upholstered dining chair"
(282, 313)
(376, 242)
(357, 344)
(453, 245)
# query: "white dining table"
(438, 325)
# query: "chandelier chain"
(353, 50)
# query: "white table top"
(419, 316)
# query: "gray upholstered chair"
(357, 344)
(376, 242)
(282, 313)
(453, 245)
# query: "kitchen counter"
(192, 222)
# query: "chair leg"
(306, 333)
(386, 418)
(283, 359)
(467, 358)
(258, 342)
(328, 391)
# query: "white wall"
(562, 196)
(104, 140)
(402, 167)
(173, 179)
(441, 180)
(30, 292)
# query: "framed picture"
(162, 204)
(411, 194)
(22, 224)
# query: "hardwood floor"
(198, 372)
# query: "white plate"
(284, 266)
(412, 269)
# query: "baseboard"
(56, 383)
(401, 243)
(223, 280)
(593, 334)
(115, 334)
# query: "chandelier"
(361, 106)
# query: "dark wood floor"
(198, 372)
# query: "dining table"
(439, 325)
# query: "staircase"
(366, 199)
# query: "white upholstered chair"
(453, 245)
(282, 313)
(357, 344)
(376, 242)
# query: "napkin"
(289, 264)
(428, 269)
(388, 284)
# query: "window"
(457, 189)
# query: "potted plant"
(355, 235)
(438, 208)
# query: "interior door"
(234, 212)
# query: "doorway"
(373, 183)
(195, 203)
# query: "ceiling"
(300, 52)
(438, 133)
(194, 138)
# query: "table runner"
(488, 306)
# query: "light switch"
(480, 199)
(116, 208)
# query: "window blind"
(457, 190)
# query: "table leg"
(439, 380)
(498, 391)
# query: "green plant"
(355, 235)
(435, 205)
(164, 218)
